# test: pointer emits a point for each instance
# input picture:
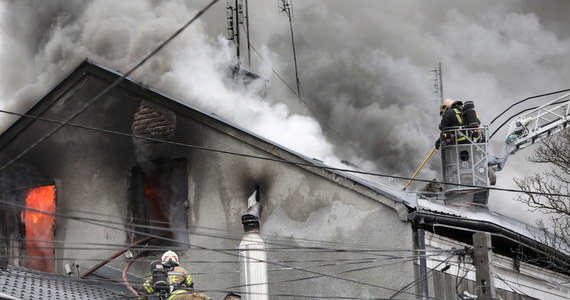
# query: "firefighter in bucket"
(170, 281)
(455, 115)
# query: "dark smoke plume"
(363, 65)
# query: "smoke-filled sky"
(364, 66)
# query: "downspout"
(421, 240)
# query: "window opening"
(158, 194)
(38, 222)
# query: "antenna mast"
(234, 19)
(438, 83)
(285, 8)
(247, 34)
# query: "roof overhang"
(505, 241)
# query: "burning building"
(139, 168)
(109, 164)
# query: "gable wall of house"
(302, 208)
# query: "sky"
(364, 66)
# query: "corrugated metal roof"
(472, 211)
(23, 283)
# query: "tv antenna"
(286, 9)
(438, 83)
(235, 18)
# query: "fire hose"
(115, 255)
(419, 168)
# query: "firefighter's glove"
(438, 143)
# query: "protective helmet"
(445, 105)
(170, 258)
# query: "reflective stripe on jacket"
(451, 118)
(177, 277)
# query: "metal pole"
(419, 168)
(247, 34)
(237, 33)
(423, 263)
(294, 51)
(440, 83)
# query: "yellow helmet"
(445, 105)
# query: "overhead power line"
(524, 100)
(106, 224)
(284, 161)
(517, 103)
(378, 252)
(519, 113)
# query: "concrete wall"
(303, 209)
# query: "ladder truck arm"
(534, 126)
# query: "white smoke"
(364, 66)
(118, 34)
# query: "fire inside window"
(38, 227)
(158, 194)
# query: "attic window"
(158, 195)
(38, 224)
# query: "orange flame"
(39, 221)
(157, 199)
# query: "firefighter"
(178, 280)
(451, 116)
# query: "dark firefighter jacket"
(178, 277)
(451, 118)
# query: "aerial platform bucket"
(465, 164)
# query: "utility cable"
(299, 164)
(234, 254)
(425, 277)
(108, 88)
(303, 249)
(524, 100)
(466, 271)
(516, 291)
(520, 112)
(336, 275)
(321, 263)
(368, 251)
(294, 296)
(289, 267)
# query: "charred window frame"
(28, 227)
(158, 195)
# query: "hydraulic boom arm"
(533, 126)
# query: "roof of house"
(22, 283)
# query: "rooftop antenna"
(234, 19)
(438, 83)
(247, 34)
(286, 8)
